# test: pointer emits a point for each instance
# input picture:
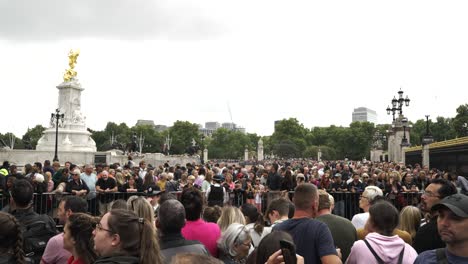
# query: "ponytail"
(137, 236)
(149, 247)
(13, 236)
(259, 224)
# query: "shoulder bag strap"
(379, 260)
(400, 258)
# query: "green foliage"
(228, 144)
(152, 139)
(33, 135)
(442, 129)
(328, 153)
(182, 133)
(460, 121)
(289, 138)
(418, 131)
(9, 139)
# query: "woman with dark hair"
(195, 228)
(122, 237)
(149, 185)
(11, 240)
(380, 244)
(254, 221)
(78, 238)
(269, 249)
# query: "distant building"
(160, 128)
(206, 131)
(142, 122)
(363, 114)
(230, 126)
(212, 125)
(241, 129)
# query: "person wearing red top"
(77, 235)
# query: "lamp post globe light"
(397, 104)
(57, 116)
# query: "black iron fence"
(346, 203)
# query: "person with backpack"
(380, 245)
(37, 229)
(11, 242)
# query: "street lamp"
(465, 128)
(397, 104)
(404, 140)
(56, 117)
(427, 139)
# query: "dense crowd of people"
(290, 211)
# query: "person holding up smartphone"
(275, 248)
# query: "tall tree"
(151, 139)
(289, 138)
(460, 122)
(33, 135)
(182, 134)
(418, 131)
(442, 129)
(228, 144)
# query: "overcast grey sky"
(188, 60)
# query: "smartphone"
(288, 250)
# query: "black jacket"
(9, 259)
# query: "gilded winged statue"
(70, 72)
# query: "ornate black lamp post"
(404, 140)
(56, 117)
(397, 104)
(427, 139)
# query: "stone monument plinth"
(72, 132)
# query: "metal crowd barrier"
(346, 203)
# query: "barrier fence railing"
(346, 203)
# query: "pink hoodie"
(387, 248)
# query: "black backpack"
(36, 233)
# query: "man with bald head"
(105, 187)
(171, 219)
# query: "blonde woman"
(162, 181)
(207, 181)
(230, 215)
(410, 219)
(141, 207)
(120, 180)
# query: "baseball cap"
(457, 203)
(152, 193)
